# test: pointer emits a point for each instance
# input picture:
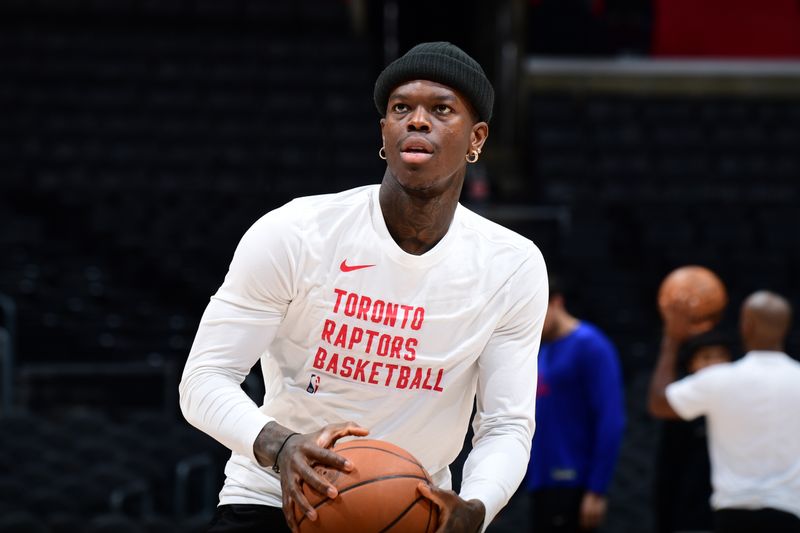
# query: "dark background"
(140, 138)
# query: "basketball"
(380, 494)
(695, 291)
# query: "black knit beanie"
(443, 63)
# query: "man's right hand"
(678, 326)
(296, 462)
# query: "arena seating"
(655, 182)
(84, 467)
(139, 141)
(151, 148)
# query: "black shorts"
(556, 509)
(246, 518)
(755, 521)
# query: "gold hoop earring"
(382, 153)
(473, 156)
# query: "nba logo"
(313, 384)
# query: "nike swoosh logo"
(344, 267)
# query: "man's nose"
(419, 120)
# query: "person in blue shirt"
(580, 420)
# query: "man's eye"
(443, 109)
(399, 108)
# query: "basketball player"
(383, 310)
(751, 406)
(682, 485)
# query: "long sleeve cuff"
(489, 494)
(249, 426)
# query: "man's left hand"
(593, 510)
(455, 515)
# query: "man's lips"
(415, 158)
(416, 150)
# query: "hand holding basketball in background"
(679, 327)
(691, 300)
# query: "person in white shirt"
(385, 310)
(752, 408)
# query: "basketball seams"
(430, 517)
(405, 512)
(363, 447)
(388, 472)
(366, 482)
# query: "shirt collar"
(765, 353)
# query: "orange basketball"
(696, 291)
(380, 494)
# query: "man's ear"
(478, 136)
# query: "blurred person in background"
(386, 309)
(682, 487)
(580, 421)
(752, 407)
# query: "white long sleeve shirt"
(348, 326)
